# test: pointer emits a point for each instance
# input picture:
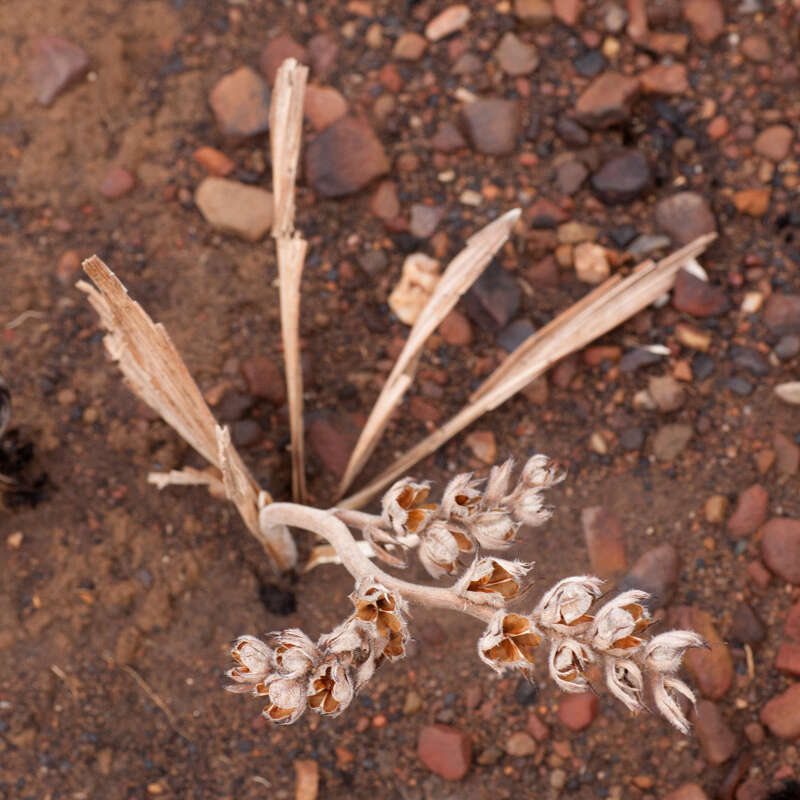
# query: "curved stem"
(334, 530)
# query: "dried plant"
(291, 672)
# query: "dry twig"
(461, 273)
(140, 681)
(607, 306)
(286, 129)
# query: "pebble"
(753, 202)
(782, 713)
(240, 102)
(606, 101)
(689, 791)
(655, 572)
(520, 744)
(697, 297)
(276, 51)
(671, 440)
(214, 161)
(445, 750)
(384, 203)
(447, 139)
(235, 208)
(787, 454)
(452, 19)
(774, 142)
(533, 12)
(782, 313)
(515, 56)
(577, 711)
(614, 18)
(746, 627)
(412, 703)
(750, 360)
(264, 379)
(417, 282)
(117, 183)
(568, 11)
(424, 219)
(344, 158)
(590, 64)
(591, 263)
(623, 178)
(538, 729)
(494, 299)
(409, 46)
(323, 106)
(780, 548)
(740, 386)
(513, 335)
(492, 125)
(667, 393)
(483, 446)
(712, 668)
(570, 177)
(638, 358)
(757, 48)
(662, 79)
(455, 329)
(558, 779)
(331, 437)
(685, 216)
(323, 50)
(306, 777)
(602, 530)
(68, 266)
(717, 740)
(750, 513)
(632, 438)
(575, 232)
(491, 755)
(787, 347)
(692, 337)
(706, 18)
(55, 64)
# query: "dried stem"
(286, 128)
(602, 310)
(461, 273)
(333, 530)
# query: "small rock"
(117, 183)
(276, 51)
(753, 202)
(576, 232)
(544, 274)
(740, 386)
(590, 64)
(68, 266)
(667, 393)
(689, 791)
(755, 733)
(424, 219)
(591, 263)
(644, 245)
(513, 335)
(568, 11)
(782, 313)
(614, 18)
(245, 433)
(306, 777)
(685, 216)
(661, 79)
(706, 18)
(324, 105)
(787, 455)
(788, 347)
(751, 360)
(384, 203)
(782, 713)
(515, 56)
(533, 12)
(240, 102)
(692, 337)
(494, 298)
(780, 548)
(632, 438)
(456, 329)
(746, 627)
(570, 177)
(264, 379)
(656, 572)
(483, 446)
(235, 208)
(756, 47)
(452, 19)
(774, 142)
(323, 50)
(492, 124)
(491, 755)
(409, 46)
(750, 513)
(606, 101)
(717, 740)
(520, 744)
(671, 440)
(712, 668)
(445, 751)
(417, 282)
(332, 437)
(622, 179)
(715, 509)
(572, 133)
(638, 358)
(602, 530)
(55, 64)
(412, 704)
(127, 644)
(214, 161)
(447, 139)
(344, 158)
(577, 711)
(538, 729)
(698, 298)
